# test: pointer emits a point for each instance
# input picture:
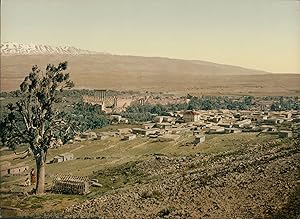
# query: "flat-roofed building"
(18, 169)
(191, 116)
(144, 131)
(232, 130)
(199, 139)
(285, 134)
(67, 156)
(129, 137)
(216, 130)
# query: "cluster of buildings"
(202, 122)
(234, 121)
(284, 124)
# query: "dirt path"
(138, 145)
(105, 164)
(173, 145)
(9, 157)
(109, 147)
(75, 149)
(21, 178)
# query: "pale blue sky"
(261, 34)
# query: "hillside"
(228, 176)
(120, 72)
(251, 181)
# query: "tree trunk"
(40, 176)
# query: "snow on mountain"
(10, 48)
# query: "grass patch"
(118, 177)
(165, 212)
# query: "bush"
(88, 116)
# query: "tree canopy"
(34, 120)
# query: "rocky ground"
(252, 181)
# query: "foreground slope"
(239, 175)
(251, 181)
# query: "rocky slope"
(253, 181)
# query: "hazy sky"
(260, 34)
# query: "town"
(146, 109)
(174, 124)
(186, 132)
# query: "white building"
(129, 137)
(199, 139)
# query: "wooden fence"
(69, 184)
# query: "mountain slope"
(124, 63)
(122, 72)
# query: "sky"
(259, 34)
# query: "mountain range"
(11, 48)
(91, 69)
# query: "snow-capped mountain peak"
(10, 48)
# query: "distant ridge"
(11, 48)
(98, 70)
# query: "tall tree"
(34, 120)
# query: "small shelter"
(129, 137)
(102, 137)
(232, 130)
(216, 129)
(58, 159)
(63, 157)
(199, 139)
(285, 134)
(67, 156)
(89, 135)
